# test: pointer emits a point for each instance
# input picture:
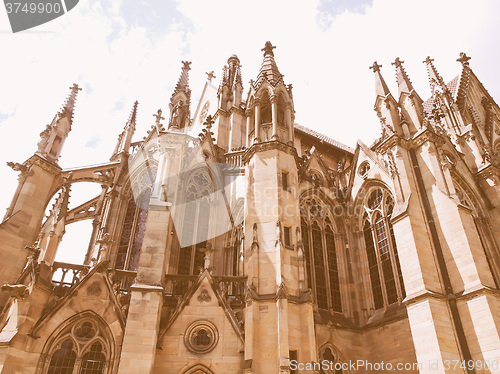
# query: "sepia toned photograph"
(266, 187)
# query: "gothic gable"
(201, 330)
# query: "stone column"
(289, 121)
(274, 107)
(248, 113)
(257, 123)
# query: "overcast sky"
(122, 51)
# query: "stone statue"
(44, 139)
(175, 120)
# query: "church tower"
(276, 296)
(39, 180)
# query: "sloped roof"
(452, 86)
(323, 138)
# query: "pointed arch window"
(320, 252)
(195, 226)
(63, 360)
(93, 361)
(381, 250)
(81, 349)
(134, 228)
(330, 354)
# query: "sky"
(120, 51)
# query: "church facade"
(261, 246)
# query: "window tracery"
(195, 227)
(81, 349)
(318, 240)
(380, 244)
(330, 360)
(134, 227)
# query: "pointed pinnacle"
(381, 88)
(133, 115)
(237, 78)
(69, 104)
(269, 70)
(404, 84)
(434, 76)
(183, 83)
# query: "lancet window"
(321, 254)
(381, 250)
(195, 225)
(134, 226)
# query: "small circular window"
(363, 169)
(201, 337)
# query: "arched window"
(80, 348)
(482, 229)
(195, 226)
(134, 228)
(318, 240)
(330, 359)
(63, 360)
(381, 251)
(93, 361)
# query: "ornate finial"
(397, 62)
(158, 119)
(233, 59)
(210, 76)
(186, 65)
(463, 59)
(375, 67)
(428, 60)
(208, 122)
(268, 49)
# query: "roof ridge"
(324, 138)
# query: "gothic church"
(260, 244)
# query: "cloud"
(93, 142)
(328, 10)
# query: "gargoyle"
(18, 291)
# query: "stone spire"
(385, 104)
(125, 138)
(181, 100)
(183, 82)
(53, 137)
(410, 103)
(269, 69)
(404, 84)
(69, 105)
(435, 79)
(463, 82)
(381, 88)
